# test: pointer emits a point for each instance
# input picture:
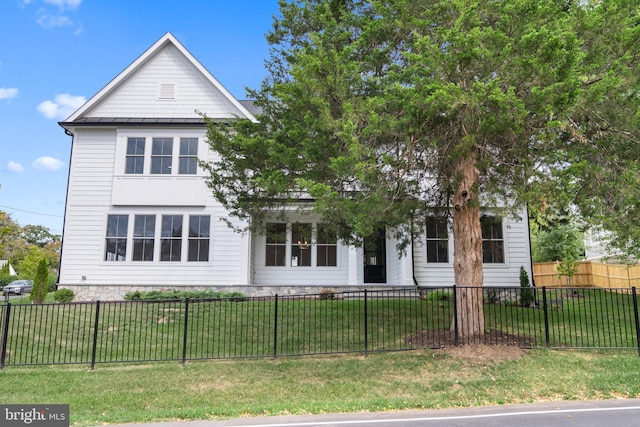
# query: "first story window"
(326, 247)
(163, 243)
(492, 239)
(276, 247)
(144, 230)
(302, 244)
(199, 229)
(437, 240)
(171, 238)
(116, 238)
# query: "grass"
(133, 393)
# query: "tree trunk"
(467, 258)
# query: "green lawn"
(262, 328)
(124, 393)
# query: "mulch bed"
(445, 338)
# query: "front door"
(375, 256)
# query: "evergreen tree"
(40, 285)
(385, 111)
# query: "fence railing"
(342, 322)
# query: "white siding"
(88, 204)
(139, 95)
(517, 253)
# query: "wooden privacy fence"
(589, 274)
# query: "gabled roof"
(83, 115)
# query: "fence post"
(184, 335)
(546, 317)
(366, 324)
(5, 334)
(95, 336)
(455, 316)
(275, 330)
(635, 315)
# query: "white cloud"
(61, 107)
(14, 167)
(47, 163)
(65, 4)
(52, 21)
(8, 92)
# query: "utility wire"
(31, 212)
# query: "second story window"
(188, 161)
(135, 156)
(161, 156)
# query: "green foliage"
(181, 295)
(40, 286)
(64, 295)
(439, 295)
(563, 242)
(526, 293)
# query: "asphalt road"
(619, 412)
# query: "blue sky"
(56, 54)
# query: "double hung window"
(437, 240)
(116, 239)
(135, 156)
(492, 240)
(161, 156)
(199, 229)
(144, 229)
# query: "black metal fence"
(341, 322)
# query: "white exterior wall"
(138, 96)
(94, 168)
(516, 253)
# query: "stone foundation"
(118, 292)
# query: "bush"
(175, 295)
(40, 287)
(439, 295)
(64, 295)
(526, 293)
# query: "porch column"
(353, 266)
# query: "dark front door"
(375, 256)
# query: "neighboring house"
(139, 215)
(3, 262)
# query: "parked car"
(18, 287)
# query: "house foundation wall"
(118, 292)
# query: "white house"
(139, 216)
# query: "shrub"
(326, 294)
(64, 295)
(39, 291)
(175, 295)
(526, 293)
(439, 295)
(492, 296)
